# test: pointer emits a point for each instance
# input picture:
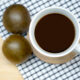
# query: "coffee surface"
(54, 33)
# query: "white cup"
(44, 55)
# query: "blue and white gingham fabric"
(34, 68)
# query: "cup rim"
(34, 42)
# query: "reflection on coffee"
(54, 33)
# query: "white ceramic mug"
(61, 57)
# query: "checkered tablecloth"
(34, 68)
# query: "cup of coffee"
(54, 35)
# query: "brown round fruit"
(16, 19)
(16, 48)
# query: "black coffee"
(54, 33)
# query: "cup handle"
(77, 49)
